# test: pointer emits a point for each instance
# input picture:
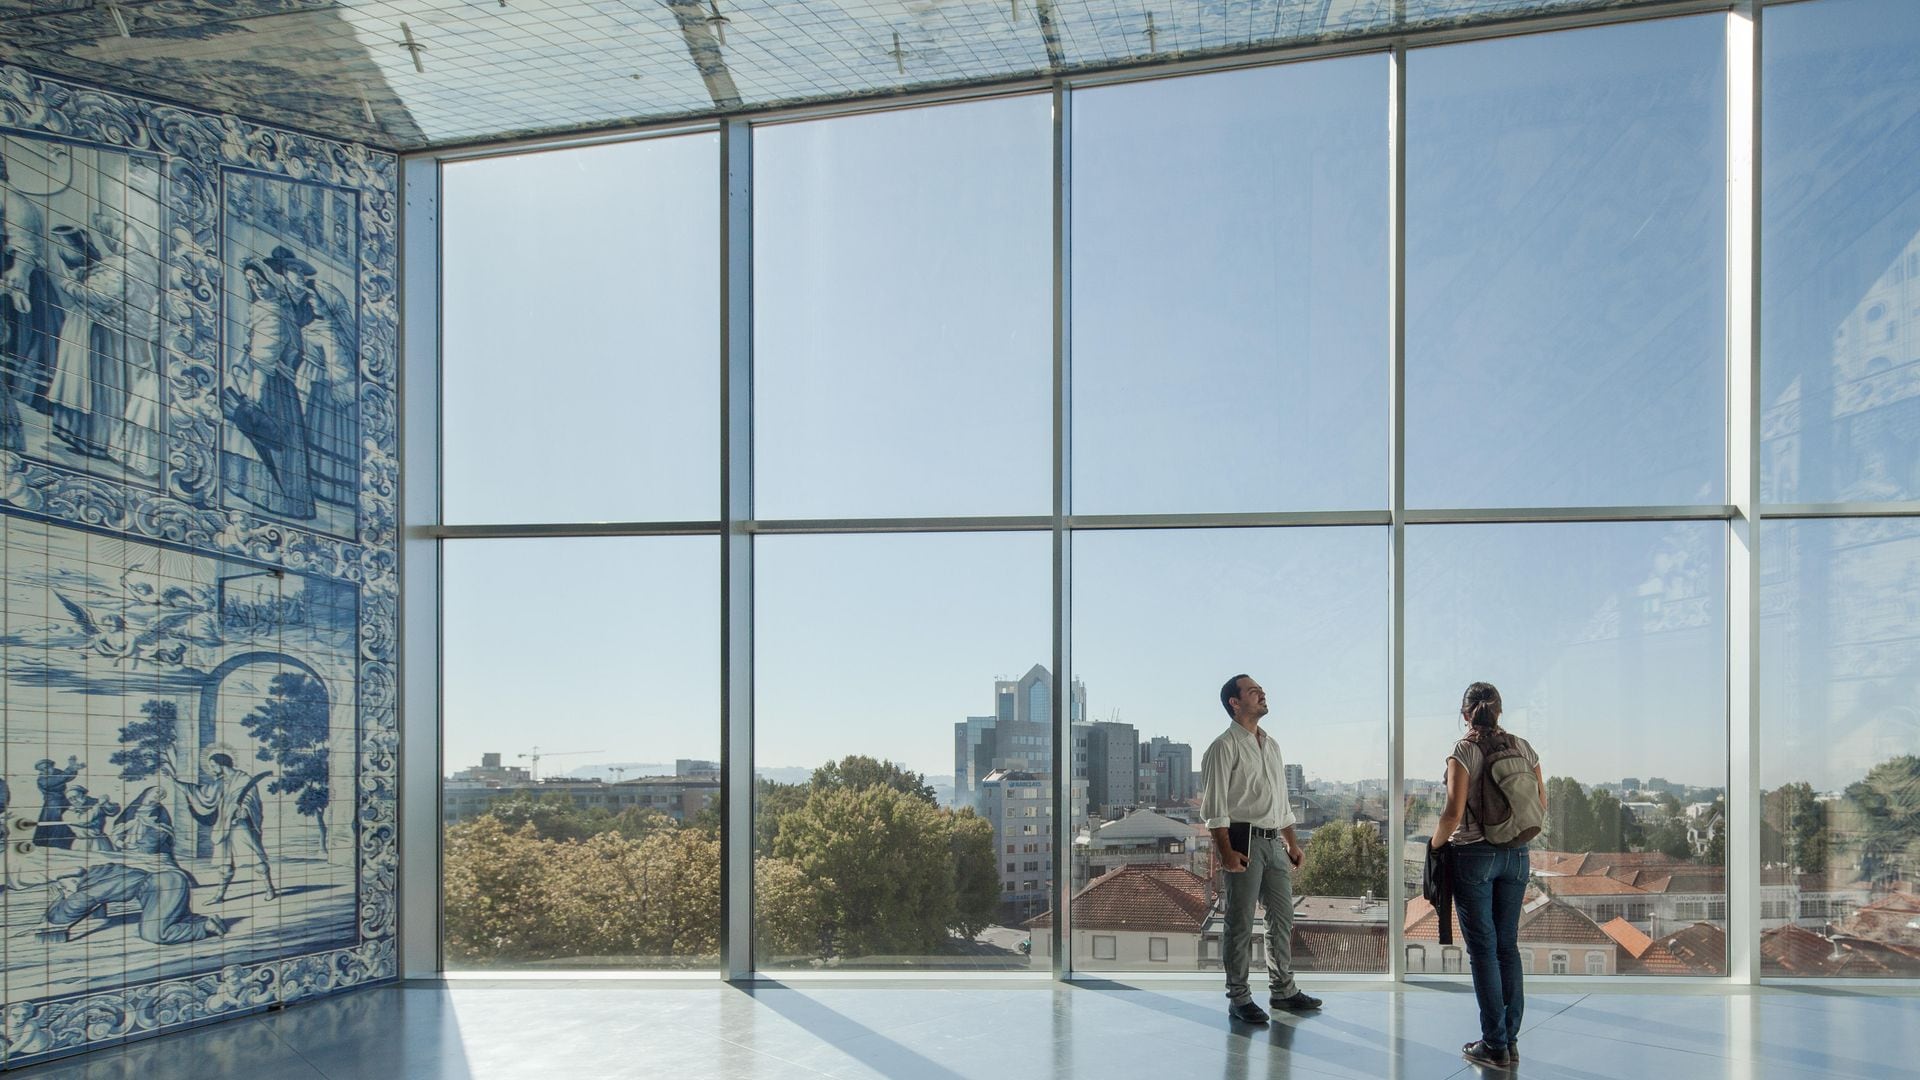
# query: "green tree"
(1798, 823)
(976, 878)
(297, 735)
(1716, 853)
(497, 889)
(790, 915)
(656, 899)
(1343, 860)
(772, 802)
(881, 862)
(1611, 822)
(552, 814)
(150, 741)
(1570, 824)
(1888, 800)
(857, 771)
(1670, 838)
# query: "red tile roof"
(1591, 885)
(1702, 947)
(1340, 947)
(1554, 923)
(1886, 922)
(1167, 898)
(1794, 950)
(1628, 937)
(1545, 922)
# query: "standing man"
(1245, 804)
(230, 802)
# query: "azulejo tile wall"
(197, 487)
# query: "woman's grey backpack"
(1506, 801)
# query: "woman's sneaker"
(1480, 1053)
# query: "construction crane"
(534, 754)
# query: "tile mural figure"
(292, 375)
(143, 876)
(230, 803)
(52, 830)
(198, 584)
(262, 398)
(29, 317)
(81, 384)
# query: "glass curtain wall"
(580, 674)
(927, 786)
(1566, 347)
(1840, 629)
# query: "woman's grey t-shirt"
(1470, 756)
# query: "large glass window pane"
(580, 334)
(581, 735)
(903, 313)
(1565, 268)
(1230, 291)
(1161, 619)
(1841, 250)
(1608, 645)
(1840, 753)
(876, 659)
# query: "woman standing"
(1490, 882)
(263, 401)
(89, 392)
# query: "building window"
(1452, 959)
(1157, 949)
(1105, 947)
(1010, 868)
(1559, 962)
(1596, 963)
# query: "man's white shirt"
(1243, 780)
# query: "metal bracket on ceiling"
(414, 48)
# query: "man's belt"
(1264, 834)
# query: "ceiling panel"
(410, 74)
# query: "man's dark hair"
(223, 760)
(1230, 691)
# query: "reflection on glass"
(876, 658)
(1840, 754)
(903, 306)
(581, 735)
(1841, 248)
(580, 334)
(1565, 268)
(1161, 620)
(1608, 644)
(1230, 291)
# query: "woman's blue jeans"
(1489, 887)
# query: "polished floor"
(997, 1031)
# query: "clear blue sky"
(1565, 347)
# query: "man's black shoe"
(1513, 1052)
(1301, 1001)
(1480, 1053)
(1247, 1013)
